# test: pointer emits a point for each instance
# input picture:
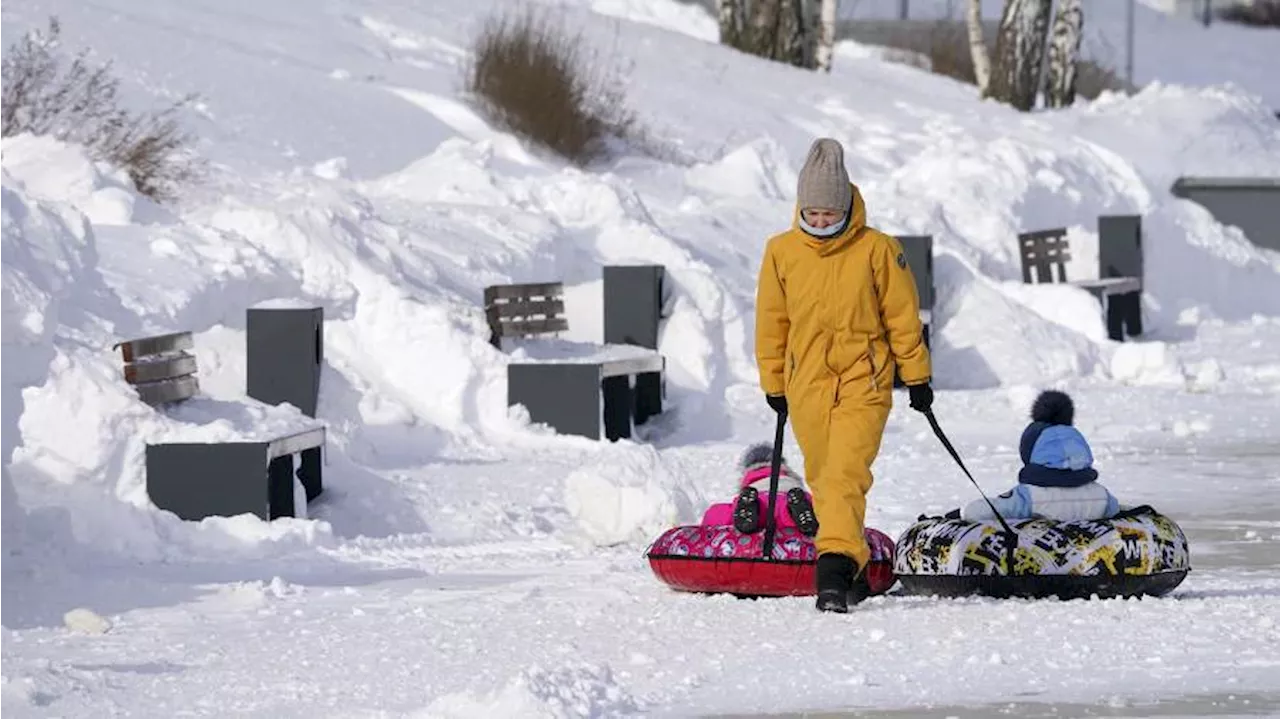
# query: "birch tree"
(732, 15)
(826, 43)
(762, 26)
(779, 30)
(1064, 54)
(978, 46)
(1016, 70)
(793, 44)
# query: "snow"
(629, 498)
(1167, 48)
(465, 562)
(86, 621)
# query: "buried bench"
(1249, 203)
(195, 480)
(161, 368)
(1118, 286)
(268, 473)
(588, 390)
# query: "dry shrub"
(538, 80)
(1093, 78)
(1259, 13)
(81, 104)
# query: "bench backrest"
(918, 250)
(1042, 251)
(1120, 246)
(160, 368)
(524, 310)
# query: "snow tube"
(720, 559)
(1137, 553)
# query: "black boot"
(801, 510)
(835, 574)
(746, 511)
(861, 587)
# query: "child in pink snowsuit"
(793, 506)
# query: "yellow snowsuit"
(834, 318)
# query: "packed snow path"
(536, 622)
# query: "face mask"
(825, 232)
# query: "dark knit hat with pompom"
(1065, 459)
(1050, 408)
(757, 454)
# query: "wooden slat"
(549, 290)
(155, 370)
(166, 391)
(146, 346)
(521, 328)
(1043, 234)
(547, 308)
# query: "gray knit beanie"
(823, 179)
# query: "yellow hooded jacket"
(837, 314)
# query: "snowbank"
(568, 692)
(628, 496)
(398, 209)
(1168, 48)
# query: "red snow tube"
(720, 559)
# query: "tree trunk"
(978, 46)
(827, 34)
(762, 28)
(790, 42)
(732, 16)
(1015, 77)
(1064, 54)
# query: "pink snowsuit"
(718, 515)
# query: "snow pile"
(393, 216)
(683, 17)
(74, 430)
(628, 496)
(1028, 348)
(566, 692)
(1146, 363)
(48, 250)
(86, 621)
(51, 169)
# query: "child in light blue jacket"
(1057, 480)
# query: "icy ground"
(541, 626)
(464, 563)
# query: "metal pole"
(903, 11)
(1128, 60)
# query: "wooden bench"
(1044, 255)
(918, 250)
(195, 480)
(270, 475)
(589, 391)
(161, 368)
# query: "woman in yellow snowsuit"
(836, 314)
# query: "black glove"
(921, 396)
(777, 402)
